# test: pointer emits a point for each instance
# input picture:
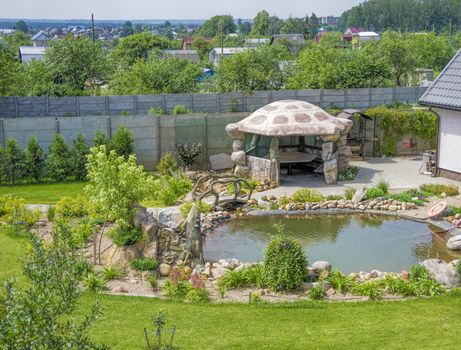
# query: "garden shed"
(288, 133)
(444, 98)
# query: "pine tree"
(35, 160)
(13, 162)
(100, 139)
(59, 160)
(79, 153)
(122, 142)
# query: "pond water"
(350, 242)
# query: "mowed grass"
(432, 323)
(47, 193)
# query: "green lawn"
(416, 324)
(44, 193)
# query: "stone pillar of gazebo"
(343, 153)
(238, 155)
(273, 156)
(330, 159)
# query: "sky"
(167, 9)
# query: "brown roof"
(293, 118)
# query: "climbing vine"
(396, 123)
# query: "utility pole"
(222, 36)
(92, 27)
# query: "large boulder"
(169, 218)
(454, 243)
(321, 266)
(122, 256)
(444, 273)
(359, 195)
(234, 132)
(241, 171)
(164, 269)
(239, 157)
(221, 161)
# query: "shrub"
(349, 193)
(123, 236)
(183, 286)
(369, 289)
(51, 213)
(458, 269)
(122, 142)
(144, 264)
(317, 293)
(187, 206)
(374, 192)
(112, 273)
(398, 285)
(428, 287)
(93, 283)
(409, 197)
(306, 195)
(101, 139)
(168, 189)
(79, 153)
(244, 278)
(177, 290)
(418, 273)
(58, 161)
(284, 263)
(339, 282)
(35, 160)
(186, 153)
(167, 165)
(349, 174)
(438, 189)
(196, 295)
(152, 280)
(12, 162)
(82, 232)
(14, 212)
(72, 207)
(383, 185)
(180, 109)
(333, 197)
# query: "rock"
(122, 256)
(458, 216)
(393, 207)
(234, 132)
(241, 171)
(221, 161)
(219, 271)
(444, 273)
(330, 292)
(359, 195)
(264, 204)
(140, 217)
(121, 289)
(238, 145)
(454, 243)
(376, 274)
(321, 266)
(239, 157)
(169, 218)
(165, 269)
(405, 275)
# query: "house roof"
(361, 34)
(185, 54)
(445, 91)
(296, 38)
(40, 36)
(355, 30)
(230, 50)
(292, 118)
(32, 50)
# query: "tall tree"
(76, 62)
(127, 29)
(35, 160)
(261, 24)
(22, 27)
(217, 25)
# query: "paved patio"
(401, 173)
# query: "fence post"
(106, 105)
(321, 98)
(2, 133)
(16, 111)
(47, 106)
(192, 102)
(244, 102)
(205, 139)
(135, 105)
(218, 102)
(78, 106)
(346, 98)
(56, 125)
(109, 126)
(370, 98)
(394, 93)
(164, 103)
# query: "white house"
(217, 52)
(40, 39)
(444, 98)
(29, 53)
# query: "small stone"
(458, 216)
(121, 289)
(454, 243)
(165, 269)
(405, 275)
(330, 292)
(321, 266)
(361, 207)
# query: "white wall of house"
(449, 152)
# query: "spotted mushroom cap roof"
(291, 118)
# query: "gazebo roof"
(293, 118)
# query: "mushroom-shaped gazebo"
(288, 132)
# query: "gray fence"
(25, 107)
(153, 135)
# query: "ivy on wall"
(396, 123)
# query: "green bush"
(374, 192)
(177, 290)
(349, 193)
(409, 195)
(317, 293)
(428, 287)
(112, 273)
(15, 214)
(101, 139)
(51, 213)
(59, 159)
(72, 207)
(144, 264)
(340, 282)
(383, 185)
(369, 289)
(306, 195)
(333, 197)
(438, 189)
(82, 232)
(93, 283)
(35, 160)
(153, 282)
(187, 153)
(196, 295)
(12, 162)
(187, 206)
(284, 264)
(244, 278)
(180, 109)
(349, 174)
(122, 142)
(167, 165)
(79, 153)
(123, 236)
(166, 190)
(418, 273)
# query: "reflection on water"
(358, 242)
